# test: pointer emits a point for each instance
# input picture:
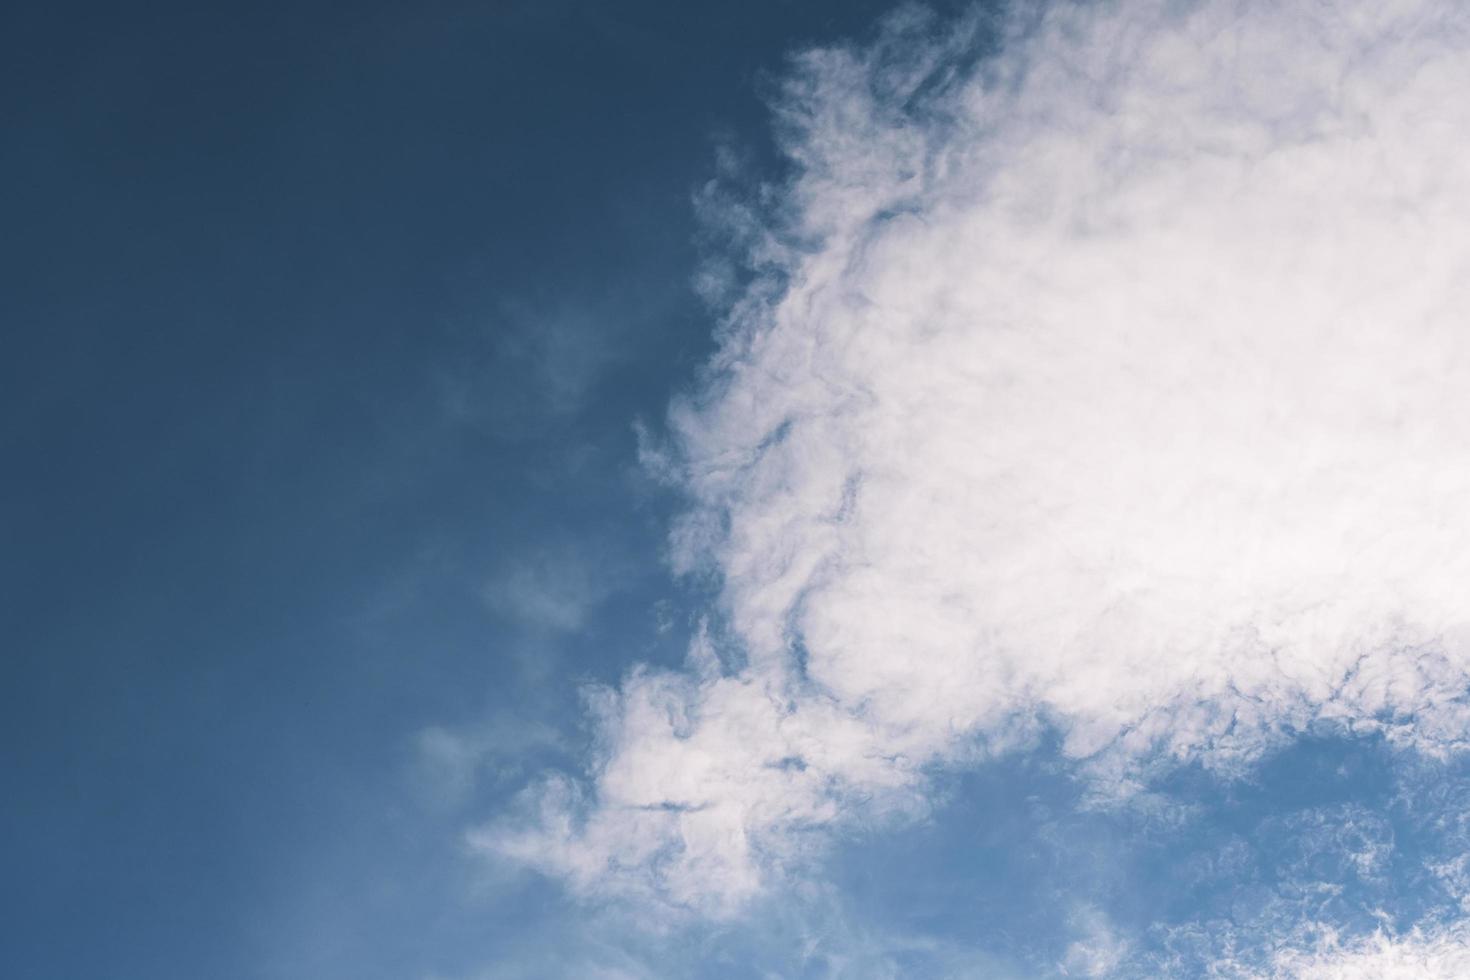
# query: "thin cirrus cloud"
(1115, 383)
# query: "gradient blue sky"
(318, 318)
(330, 331)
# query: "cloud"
(1115, 382)
(556, 588)
(449, 763)
(1097, 951)
(1436, 954)
(533, 370)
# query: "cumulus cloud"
(1116, 381)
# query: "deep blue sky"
(316, 316)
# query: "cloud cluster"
(1440, 954)
(1117, 381)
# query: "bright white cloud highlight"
(1440, 954)
(1121, 382)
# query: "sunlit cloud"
(1112, 385)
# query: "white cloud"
(1433, 954)
(1098, 950)
(1120, 382)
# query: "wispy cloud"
(1115, 383)
(448, 763)
(554, 588)
(525, 369)
(1098, 949)
(1434, 954)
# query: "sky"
(815, 490)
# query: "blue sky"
(670, 490)
(318, 321)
